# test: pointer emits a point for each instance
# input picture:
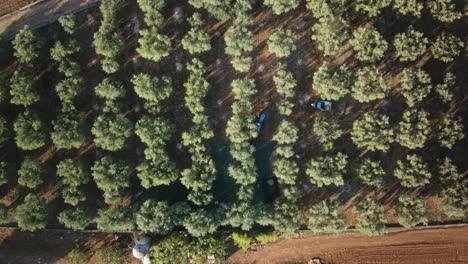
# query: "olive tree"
(112, 177)
(31, 132)
(73, 172)
(115, 219)
(152, 89)
(27, 46)
(327, 131)
(447, 47)
(160, 172)
(285, 171)
(287, 133)
(328, 170)
(368, 44)
(371, 8)
(281, 6)
(241, 64)
(73, 195)
(415, 85)
(370, 172)
(60, 51)
(160, 217)
(151, 10)
(285, 83)
(196, 40)
(110, 89)
(67, 90)
(111, 132)
(444, 89)
(450, 131)
(371, 217)
(444, 10)
(454, 189)
(76, 218)
(326, 9)
(408, 7)
(69, 23)
(287, 216)
(330, 83)
(32, 214)
(4, 130)
(409, 45)
(411, 211)
(414, 129)
(325, 217)
(369, 85)
(22, 88)
(239, 40)
(31, 173)
(372, 131)
(282, 43)
(153, 46)
(201, 222)
(5, 168)
(68, 132)
(331, 34)
(412, 172)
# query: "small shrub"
(77, 256)
(110, 255)
(242, 240)
(266, 237)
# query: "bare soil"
(8, 6)
(445, 244)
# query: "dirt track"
(427, 245)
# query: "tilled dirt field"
(444, 244)
(8, 6)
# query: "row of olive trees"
(224, 10)
(200, 176)
(239, 41)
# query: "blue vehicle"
(259, 122)
(322, 105)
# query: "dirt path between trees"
(441, 244)
(39, 14)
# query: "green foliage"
(239, 39)
(76, 218)
(241, 127)
(324, 171)
(31, 173)
(287, 133)
(201, 222)
(325, 217)
(327, 131)
(3, 89)
(160, 217)
(242, 240)
(444, 10)
(241, 64)
(370, 172)
(444, 89)
(282, 43)
(331, 84)
(369, 85)
(412, 172)
(110, 89)
(73, 195)
(287, 216)
(150, 88)
(111, 132)
(450, 131)
(22, 88)
(32, 214)
(107, 44)
(219, 9)
(243, 169)
(371, 8)
(454, 189)
(68, 132)
(72, 172)
(61, 51)
(154, 131)
(266, 237)
(196, 40)
(3, 214)
(415, 85)
(414, 129)
(69, 68)
(110, 255)
(372, 131)
(151, 10)
(77, 256)
(153, 46)
(115, 219)
(411, 211)
(205, 246)
(4, 130)
(410, 45)
(326, 9)
(368, 44)
(447, 47)
(160, 172)
(240, 214)
(285, 84)
(112, 177)
(109, 65)
(67, 90)
(69, 23)
(408, 7)
(331, 34)
(285, 170)
(4, 172)
(281, 6)
(173, 248)
(26, 45)
(371, 217)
